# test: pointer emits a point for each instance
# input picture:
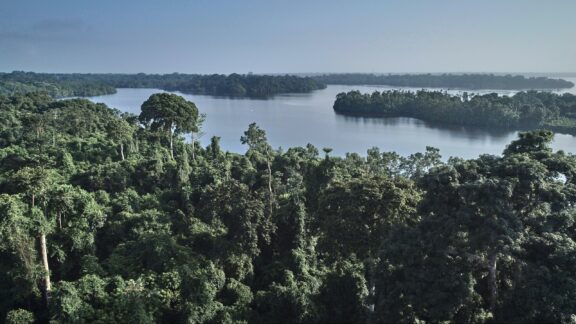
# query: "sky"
(296, 36)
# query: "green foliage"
(134, 234)
(20, 316)
(233, 85)
(342, 298)
(56, 85)
(230, 206)
(459, 81)
(97, 300)
(17, 251)
(289, 301)
(474, 254)
(523, 110)
(172, 114)
(167, 111)
(357, 214)
(87, 85)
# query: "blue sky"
(273, 36)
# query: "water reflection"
(453, 131)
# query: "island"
(524, 110)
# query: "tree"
(35, 182)
(356, 216)
(481, 221)
(77, 216)
(231, 204)
(259, 148)
(120, 131)
(342, 297)
(535, 143)
(20, 316)
(288, 301)
(170, 113)
(19, 269)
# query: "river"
(297, 119)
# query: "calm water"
(298, 119)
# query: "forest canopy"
(56, 85)
(109, 217)
(524, 110)
(233, 85)
(475, 81)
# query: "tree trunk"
(171, 143)
(270, 192)
(122, 151)
(47, 287)
(193, 149)
(54, 131)
(371, 290)
(492, 281)
(269, 177)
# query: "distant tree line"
(56, 85)
(233, 85)
(458, 81)
(524, 110)
(60, 85)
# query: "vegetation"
(61, 85)
(525, 110)
(56, 85)
(102, 220)
(458, 81)
(233, 85)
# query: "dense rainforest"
(233, 85)
(108, 217)
(524, 110)
(455, 81)
(56, 85)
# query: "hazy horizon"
(524, 73)
(265, 37)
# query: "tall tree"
(171, 113)
(19, 268)
(356, 216)
(120, 131)
(258, 148)
(35, 182)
